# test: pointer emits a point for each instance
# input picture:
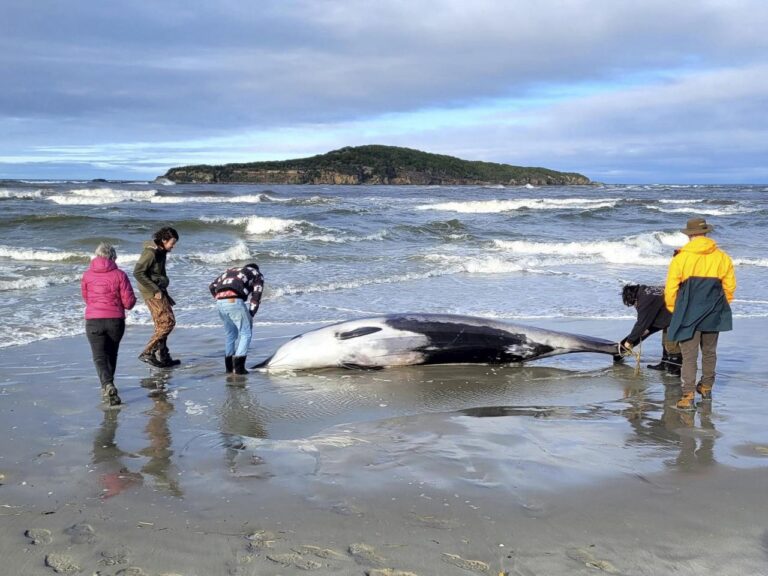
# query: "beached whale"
(411, 339)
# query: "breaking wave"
(493, 206)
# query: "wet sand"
(566, 466)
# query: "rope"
(623, 351)
(632, 351)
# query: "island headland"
(375, 164)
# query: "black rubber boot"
(149, 358)
(662, 365)
(674, 364)
(164, 357)
(239, 363)
(229, 364)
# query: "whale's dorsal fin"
(357, 332)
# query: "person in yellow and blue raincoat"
(700, 286)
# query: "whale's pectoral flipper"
(357, 332)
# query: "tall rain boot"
(151, 359)
(674, 364)
(164, 357)
(229, 364)
(661, 365)
(239, 362)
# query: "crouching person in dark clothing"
(238, 294)
(107, 294)
(652, 316)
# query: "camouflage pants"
(162, 316)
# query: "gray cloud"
(156, 72)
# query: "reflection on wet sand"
(240, 418)
(693, 433)
(160, 465)
(116, 476)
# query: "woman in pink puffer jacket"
(108, 294)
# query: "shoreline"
(561, 466)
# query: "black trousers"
(104, 335)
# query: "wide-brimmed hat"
(697, 226)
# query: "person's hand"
(158, 296)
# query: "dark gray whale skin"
(416, 338)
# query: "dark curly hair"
(629, 294)
(165, 233)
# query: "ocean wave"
(238, 252)
(97, 196)
(642, 249)
(8, 194)
(494, 206)
(42, 255)
(37, 282)
(699, 210)
(680, 201)
(177, 199)
(269, 225)
(760, 262)
(455, 264)
(259, 224)
(291, 290)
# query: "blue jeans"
(237, 326)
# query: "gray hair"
(106, 250)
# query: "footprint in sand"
(585, 556)
(61, 564)
(131, 571)
(293, 560)
(39, 536)
(260, 539)
(324, 553)
(365, 554)
(471, 565)
(114, 556)
(388, 572)
(81, 534)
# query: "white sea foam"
(237, 252)
(760, 262)
(41, 255)
(290, 289)
(97, 196)
(494, 206)
(259, 224)
(681, 201)
(245, 199)
(36, 282)
(643, 249)
(20, 194)
(455, 264)
(698, 209)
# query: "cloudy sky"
(651, 91)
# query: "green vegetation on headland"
(374, 164)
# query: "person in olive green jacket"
(700, 286)
(153, 285)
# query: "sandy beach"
(566, 466)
